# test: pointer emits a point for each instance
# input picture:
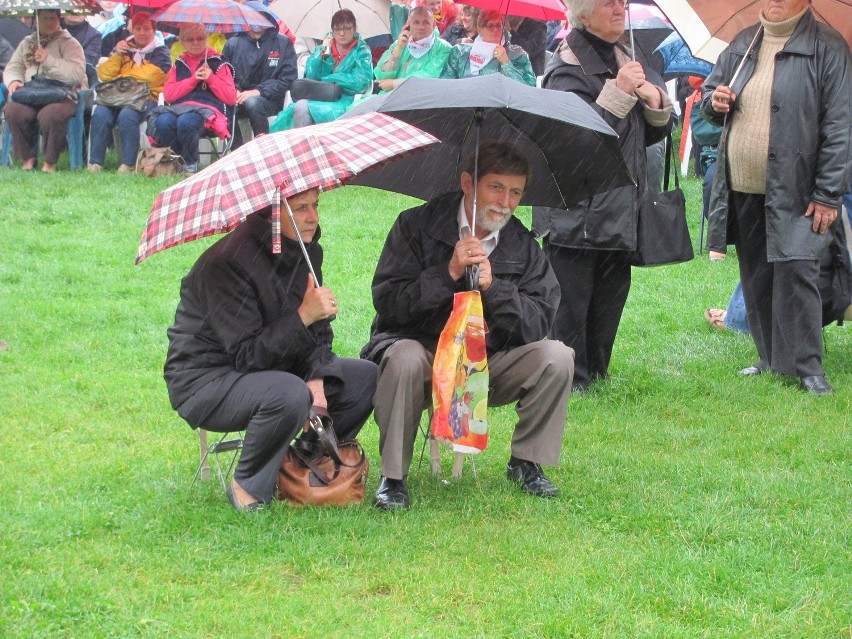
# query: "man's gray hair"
(578, 9)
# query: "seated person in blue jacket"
(264, 68)
(250, 347)
(343, 58)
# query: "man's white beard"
(490, 224)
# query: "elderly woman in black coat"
(590, 245)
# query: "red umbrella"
(221, 16)
(708, 26)
(536, 9)
(148, 5)
(270, 167)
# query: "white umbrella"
(312, 18)
(708, 26)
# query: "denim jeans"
(735, 318)
(257, 109)
(104, 119)
(181, 133)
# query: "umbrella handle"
(471, 277)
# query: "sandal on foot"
(716, 317)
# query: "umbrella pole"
(478, 123)
(301, 243)
(472, 272)
(630, 27)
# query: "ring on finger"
(469, 253)
(333, 303)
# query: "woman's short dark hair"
(343, 18)
(502, 158)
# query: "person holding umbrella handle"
(251, 347)
(421, 268)
(590, 246)
(781, 90)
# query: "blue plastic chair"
(76, 135)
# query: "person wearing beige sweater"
(783, 92)
(53, 53)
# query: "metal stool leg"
(223, 445)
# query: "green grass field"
(695, 502)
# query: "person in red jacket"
(199, 91)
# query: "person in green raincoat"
(487, 54)
(349, 64)
(418, 51)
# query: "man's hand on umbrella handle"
(823, 215)
(485, 275)
(319, 303)
(721, 99)
(468, 252)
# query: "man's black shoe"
(392, 494)
(531, 478)
(816, 385)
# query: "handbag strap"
(308, 462)
(327, 440)
(669, 163)
(321, 424)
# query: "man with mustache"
(421, 267)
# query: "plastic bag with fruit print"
(460, 378)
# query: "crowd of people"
(252, 342)
(201, 84)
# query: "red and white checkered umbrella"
(270, 167)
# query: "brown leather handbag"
(323, 472)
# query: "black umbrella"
(573, 152)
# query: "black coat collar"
(585, 53)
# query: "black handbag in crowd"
(39, 90)
(307, 89)
(663, 235)
(123, 92)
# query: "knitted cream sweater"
(748, 139)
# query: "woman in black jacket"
(590, 245)
(250, 348)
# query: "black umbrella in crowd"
(573, 152)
